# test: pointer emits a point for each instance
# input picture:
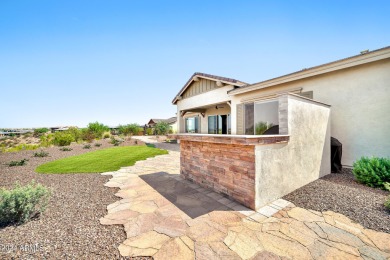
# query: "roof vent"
(364, 52)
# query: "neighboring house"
(60, 128)
(357, 89)
(172, 121)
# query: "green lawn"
(105, 160)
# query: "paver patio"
(170, 218)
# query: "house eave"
(361, 59)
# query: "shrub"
(41, 154)
(387, 203)
(149, 131)
(97, 129)
(66, 149)
(22, 203)
(40, 131)
(130, 129)
(386, 185)
(87, 146)
(374, 172)
(162, 128)
(87, 135)
(47, 140)
(75, 132)
(18, 163)
(114, 141)
(106, 135)
(98, 144)
(63, 138)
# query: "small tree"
(162, 128)
(97, 129)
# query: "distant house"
(60, 128)
(172, 121)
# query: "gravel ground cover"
(69, 228)
(342, 194)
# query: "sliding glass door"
(219, 124)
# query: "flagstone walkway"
(170, 218)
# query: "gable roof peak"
(197, 75)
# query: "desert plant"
(98, 144)
(374, 172)
(387, 203)
(63, 138)
(97, 129)
(22, 147)
(87, 135)
(46, 140)
(41, 154)
(162, 128)
(66, 149)
(75, 132)
(130, 129)
(115, 141)
(21, 203)
(40, 131)
(149, 131)
(87, 146)
(106, 135)
(18, 163)
(261, 127)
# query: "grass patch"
(110, 159)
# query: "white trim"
(270, 96)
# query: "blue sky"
(118, 62)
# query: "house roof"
(170, 120)
(229, 81)
(362, 58)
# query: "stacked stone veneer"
(224, 164)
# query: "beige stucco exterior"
(360, 100)
(283, 168)
(207, 101)
(357, 88)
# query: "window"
(261, 118)
(192, 124)
(266, 116)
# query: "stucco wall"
(282, 168)
(359, 97)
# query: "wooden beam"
(219, 84)
(195, 78)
